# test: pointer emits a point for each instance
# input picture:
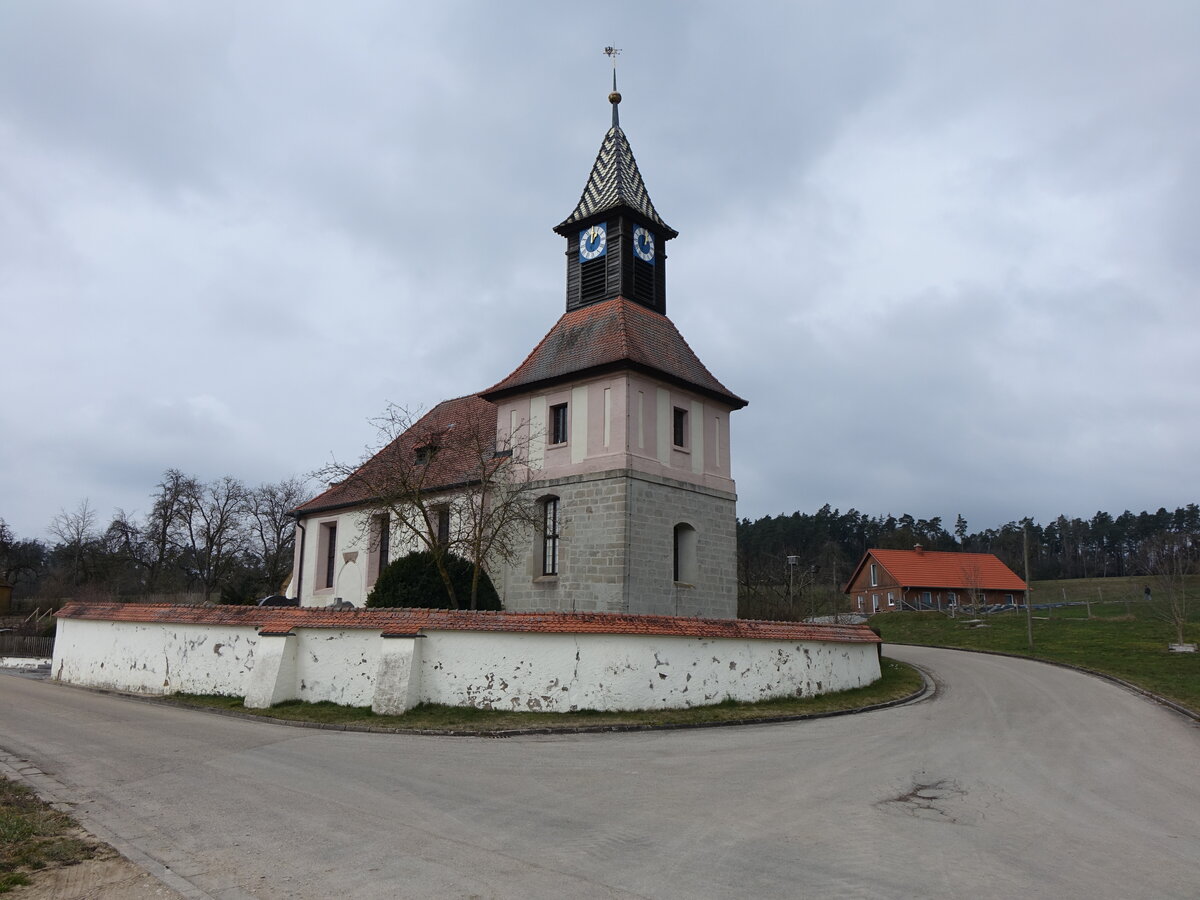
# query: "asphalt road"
(1017, 780)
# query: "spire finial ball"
(614, 98)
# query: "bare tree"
(19, 557)
(75, 530)
(211, 527)
(1167, 558)
(448, 485)
(973, 582)
(272, 529)
(160, 533)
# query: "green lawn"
(1131, 646)
(898, 681)
(1126, 590)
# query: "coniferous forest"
(828, 543)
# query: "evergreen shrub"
(413, 581)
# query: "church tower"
(629, 431)
(616, 240)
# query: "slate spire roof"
(615, 181)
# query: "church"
(628, 448)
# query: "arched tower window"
(550, 525)
(685, 554)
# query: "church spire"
(615, 180)
(614, 98)
(616, 240)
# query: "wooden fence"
(24, 645)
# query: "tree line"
(221, 538)
(828, 543)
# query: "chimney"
(918, 549)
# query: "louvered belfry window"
(643, 282)
(592, 279)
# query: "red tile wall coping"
(410, 621)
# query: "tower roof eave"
(609, 335)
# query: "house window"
(680, 427)
(861, 601)
(891, 599)
(441, 516)
(951, 596)
(550, 523)
(874, 603)
(383, 538)
(329, 536)
(685, 568)
(425, 454)
(558, 423)
(982, 597)
(1008, 598)
(874, 575)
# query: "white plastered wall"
(495, 670)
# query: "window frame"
(441, 535)
(679, 428)
(685, 562)
(551, 536)
(559, 424)
(380, 550)
(329, 536)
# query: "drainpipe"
(300, 568)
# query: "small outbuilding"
(891, 580)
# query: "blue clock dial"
(643, 244)
(593, 242)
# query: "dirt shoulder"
(106, 876)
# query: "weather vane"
(614, 98)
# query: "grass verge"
(1132, 647)
(897, 681)
(34, 835)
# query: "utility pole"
(1028, 608)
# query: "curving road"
(1018, 780)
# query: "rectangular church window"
(558, 423)
(330, 538)
(680, 427)
(550, 536)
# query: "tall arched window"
(685, 554)
(550, 523)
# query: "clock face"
(593, 241)
(643, 244)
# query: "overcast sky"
(948, 251)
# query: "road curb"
(1149, 695)
(58, 795)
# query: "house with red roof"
(627, 441)
(891, 580)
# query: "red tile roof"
(410, 621)
(465, 431)
(615, 334)
(941, 569)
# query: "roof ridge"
(623, 324)
(530, 355)
(699, 361)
